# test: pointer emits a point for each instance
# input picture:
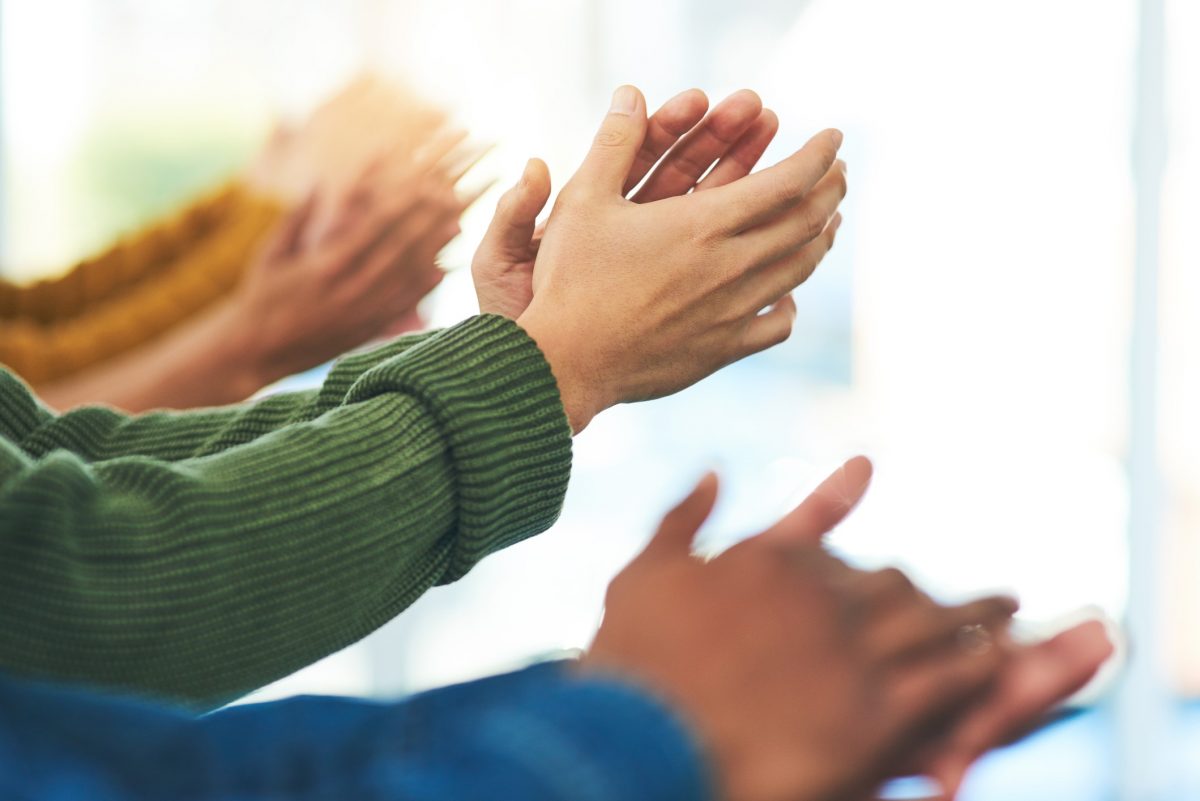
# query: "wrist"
(241, 354)
(580, 395)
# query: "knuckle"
(781, 333)
(572, 193)
(894, 582)
(810, 223)
(704, 232)
(690, 165)
(779, 195)
(507, 205)
(803, 266)
(610, 138)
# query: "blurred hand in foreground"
(805, 679)
(313, 296)
(1034, 679)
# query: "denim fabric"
(538, 734)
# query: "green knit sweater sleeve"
(99, 433)
(287, 536)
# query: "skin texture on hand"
(804, 678)
(681, 146)
(633, 301)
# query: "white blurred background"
(1008, 326)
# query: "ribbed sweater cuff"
(351, 367)
(494, 397)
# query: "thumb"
(511, 229)
(678, 529)
(616, 144)
(826, 507)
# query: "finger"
(511, 230)
(770, 328)
(887, 586)
(351, 205)
(827, 506)
(774, 280)
(361, 217)
(912, 629)
(678, 529)
(437, 149)
(410, 244)
(289, 236)
(366, 233)
(470, 197)
(1039, 678)
(928, 695)
(674, 119)
(767, 194)
(784, 235)
(1052, 672)
(687, 161)
(463, 163)
(616, 144)
(433, 240)
(743, 157)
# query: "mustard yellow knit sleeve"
(126, 263)
(146, 285)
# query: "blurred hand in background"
(376, 172)
(803, 677)
(343, 136)
(312, 296)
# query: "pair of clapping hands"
(803, 677)
(373, 176)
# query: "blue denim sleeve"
(535, 735)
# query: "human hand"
(1034, 679)
(634, 301)
(310, 298)
(803, 678)
(366, 119)
(1037, 679)
(734, 137)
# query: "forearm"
(98, 433)
(201, 578)
(210, 360)
(536, 735)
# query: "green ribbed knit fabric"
(195, 556)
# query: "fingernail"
(837, 137)
(624, 101)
